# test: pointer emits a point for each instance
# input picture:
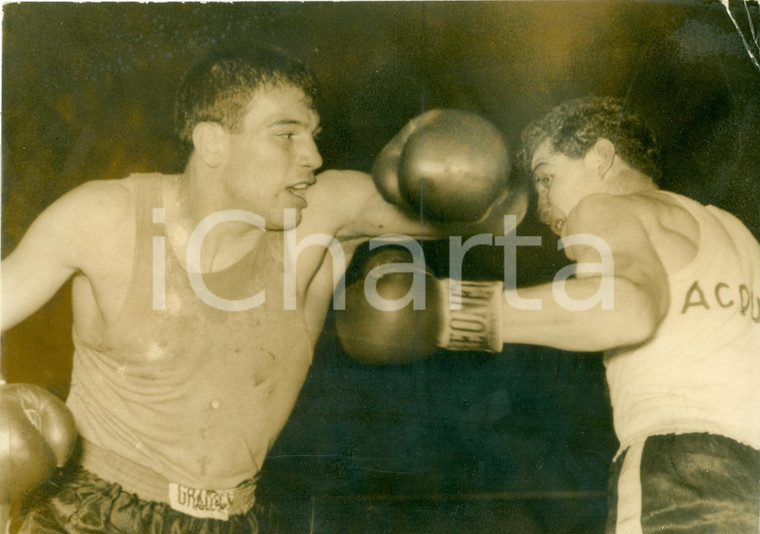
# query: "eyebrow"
(287, 122)
(538, 166)
(296, 122)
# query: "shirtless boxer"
(193, 330)
(667, 288)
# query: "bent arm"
(629, 301)
(37, 268)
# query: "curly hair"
(220, 87)
(574, 127)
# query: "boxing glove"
(37, 434)
(446, 164)
(398, 312)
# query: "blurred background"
(516, 442)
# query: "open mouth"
(298, 189)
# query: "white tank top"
(701, 371)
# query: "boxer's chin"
(550, 217)
(558, 225)
(287, 221)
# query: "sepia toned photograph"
(380, 267)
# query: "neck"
(189, 199)
(629, 181)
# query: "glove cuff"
(473, 319)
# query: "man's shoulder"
(662, 219)
(648, 206)
(598, 210)
(101, 198)
(619, 219)
(117, 190)
(672, 213)
(98, 207)
(111, 198)
(84, 225)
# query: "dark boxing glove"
(446, 164)
(380, 324)
(37, 434)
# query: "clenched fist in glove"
(449, 165)
(37, 434)
(398, 312)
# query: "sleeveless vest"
(701, 372)
(192, 391)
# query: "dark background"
(517, 442)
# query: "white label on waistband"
(201, 503)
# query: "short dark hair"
(575, 126)
(220, 87)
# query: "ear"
(603, 153)
(210, 142)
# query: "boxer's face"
(271, 162)
(561, 182)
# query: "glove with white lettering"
(400, 313)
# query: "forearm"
(370, 215)
(381, 218)
(562, 321)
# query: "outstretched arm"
(347, 205)
(626, 301)
(617, 298)
(350, 203)
(446, 172)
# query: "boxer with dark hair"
(666, 288)
(682, 344)
(197, 301)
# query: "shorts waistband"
(149, 485)
(640, 440)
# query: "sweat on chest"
(197, 340)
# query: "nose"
(310, 156)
